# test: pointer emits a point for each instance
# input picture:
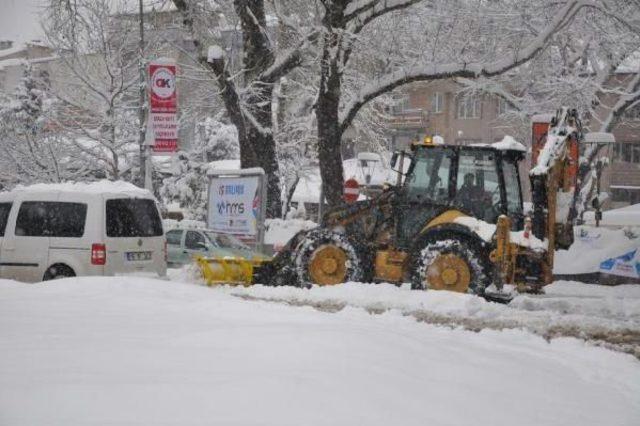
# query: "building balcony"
(409, 119)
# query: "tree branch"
(287, 60)
(362, 16)
(467, 70)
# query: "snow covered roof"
(99, 187)
(542, 118)
(12, 50)
(369, 156)
(599, 137)
(11, 62)
(149, 6)
(509, 143)
(224, 165)
(630, 65)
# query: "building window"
(400, 105)
(437, 102)
(626, 152)
(629, 194)
(469, 107)
(504, 107)
(632, 113)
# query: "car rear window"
(51, 219)
(5, 208)
(133, 217)
(174, 237)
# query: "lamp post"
(145, 163)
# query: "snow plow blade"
(229, 270)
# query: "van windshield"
(133, 217)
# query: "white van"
(50, 231)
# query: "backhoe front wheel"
(325, 257)
(450, 264)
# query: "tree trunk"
(329, 155)
(329, 132)
(263, 146)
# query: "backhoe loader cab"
(480, 181)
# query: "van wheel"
(58, 271)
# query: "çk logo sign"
(163, 83)
(163, 106)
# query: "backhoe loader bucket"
(228, 270)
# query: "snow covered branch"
(471, 70)
(361, 13)
(288, 59)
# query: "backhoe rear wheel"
(325, 257)
(451, 264)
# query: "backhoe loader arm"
(553, 177)
(558, 186)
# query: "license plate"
(136, 256)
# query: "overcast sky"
(19, 20)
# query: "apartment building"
(13, 58)
(437, 108)
(622, 178)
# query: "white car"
(62, 230)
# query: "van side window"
(5, 208)
(51, 219)
(194, 240)
(133, 217)
(174, 237)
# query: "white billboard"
(236, 204)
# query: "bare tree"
(30, 151)
(95, 80)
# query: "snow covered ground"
(601, 315)
(139, 351)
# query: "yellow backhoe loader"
(454, 221)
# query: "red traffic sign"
(351, 190)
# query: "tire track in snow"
(619, 338)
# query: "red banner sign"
(163, 107)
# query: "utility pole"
(145, 157)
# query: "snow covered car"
(184, 244)
(50, 231)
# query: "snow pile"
(483, 229)
(625, 216)
(531, 241)
(279, 231)
(591, 247)
(183, 224)
(486, 231)
(99, 187)
(509, 143)
(141, 351)
(224, 165)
